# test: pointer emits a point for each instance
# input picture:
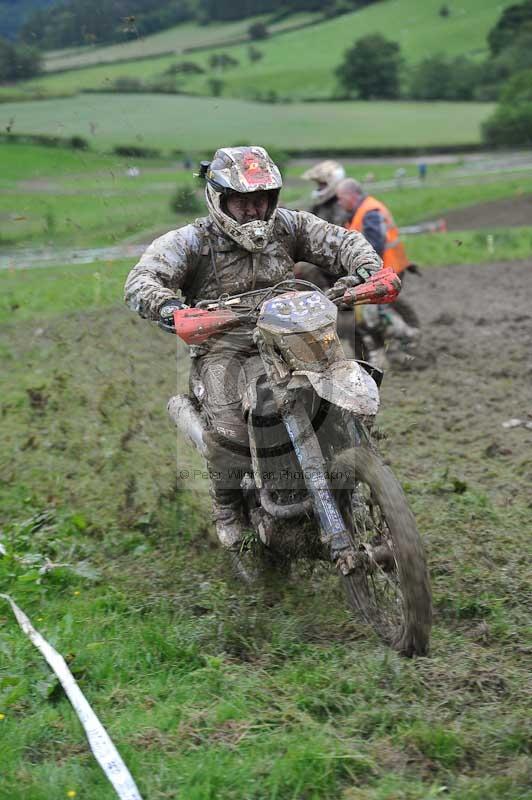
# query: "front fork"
(333, 532)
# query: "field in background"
(196, 124)
(59, 199)
(298, 64)
(301, 64)
(174, 40)
(295, 65)
(52, 197)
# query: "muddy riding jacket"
(375, 221)
(200, 262)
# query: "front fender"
(347, 385)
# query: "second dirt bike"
(318, 488)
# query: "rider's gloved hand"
(166, 313)
(339, 288)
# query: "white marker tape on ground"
(101, 745)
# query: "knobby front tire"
(390, 586)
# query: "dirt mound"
(510, 211)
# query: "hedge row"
(138, 151)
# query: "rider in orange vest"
(374, 220)
(378, 326)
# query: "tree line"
(13, 13)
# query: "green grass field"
(176, 40)
(58, 198)
(470, 247)
(429, 202)
(298, 64)
(209, 690)
(53, 197)
(197, 124)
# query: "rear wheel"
(389, 585)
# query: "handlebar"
(196, 325)
(234, 301)
(381, 287)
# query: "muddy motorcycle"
(318, 488)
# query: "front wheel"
(389, 585)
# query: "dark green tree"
(370, 68)
(258, 31)
(13, 13)
(18, 62)
(216, 86)
(184, 68)
(185, 200)
(254, 54)
(336, 8)
(516, 57)
(222, 61)
(497, 70)
(441, 78)
(518, 89)
(509, 25)
(509, 126)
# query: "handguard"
(196, 325)
(381, 287)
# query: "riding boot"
(227, 514)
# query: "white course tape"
(101, 745)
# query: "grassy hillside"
(186, 123)
(300, 64)
(175, 40)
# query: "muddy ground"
(107, 376)
(508, 212)
(477, 324)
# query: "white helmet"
(327, 175)
(243, 170)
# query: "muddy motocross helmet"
(243, 170)
(327, 175)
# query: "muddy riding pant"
(223, 373)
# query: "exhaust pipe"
(188, 421)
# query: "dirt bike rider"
(246, 242)
(327, 175)
(372, 218)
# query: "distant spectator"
(422, 170)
